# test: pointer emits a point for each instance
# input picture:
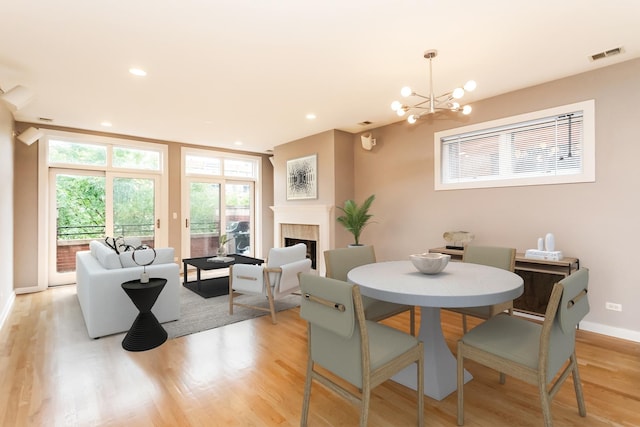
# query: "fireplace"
(306, 223)
(311, 248)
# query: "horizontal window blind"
(547, 146)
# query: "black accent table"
(216, 286)
(146, 332)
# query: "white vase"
(549, 242)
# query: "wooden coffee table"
(216, 286)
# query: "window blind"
(541, 147)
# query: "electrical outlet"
(613, 306)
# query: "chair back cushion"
(340, 261)
(334, 337)
(286, 281)
(573, 305)
(341, 323)
(561, 319)
(280, 256)
(492, 256)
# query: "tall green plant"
(355, 217)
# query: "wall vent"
(606, 53)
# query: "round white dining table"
(460, 284)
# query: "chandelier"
(430, 104)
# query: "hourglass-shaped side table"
(146, 332)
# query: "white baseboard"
(7, 309)
(611, 331)
(598, 328)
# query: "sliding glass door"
(203, 223)
(89, 205)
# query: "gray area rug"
(200, 314)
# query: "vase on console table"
(550, 242)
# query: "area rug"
(199, 314)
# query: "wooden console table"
(539, 276)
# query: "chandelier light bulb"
(406, 91)
(458, 93)
(470, 86)
(412, 119)
(466, 110)
(401, 111)
(455, 106)
(395, 105)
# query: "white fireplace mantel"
(319, 215)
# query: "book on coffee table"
(220, 259)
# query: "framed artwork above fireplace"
(302, 178)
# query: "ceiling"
(219, 72)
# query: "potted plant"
(355, 217)
(222, 245)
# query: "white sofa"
(106, 308)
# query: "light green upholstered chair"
(492, 256)
(530, 351)
(340, 261)
(359, 351)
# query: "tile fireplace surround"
(309, 222)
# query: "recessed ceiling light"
(106, 124)
(311, 116)
(138, 72)
(238, 143)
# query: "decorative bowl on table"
(430, 263)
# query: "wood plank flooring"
(252, 374)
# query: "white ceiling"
(250, 70)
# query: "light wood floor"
(252, 374)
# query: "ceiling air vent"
(606, 53)
(365, 123)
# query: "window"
(219, 197)
(546, 147)
(92, 187)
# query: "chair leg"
(412, 319)
(577, 385)
(421, 388)
(545, 401)
(364, 409)
(230, 298)
(272, 307)
(307, 393)
(460, 380)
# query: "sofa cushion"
(163, 256)
(106, 256)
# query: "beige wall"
(596, 222)
(26, 215)
(334, 150)
(6, 211)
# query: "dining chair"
(349, 347)
(338, 262)
(531, 351)
(276, 279)
(492, 256)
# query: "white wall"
(7, 295)
(596, 222)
